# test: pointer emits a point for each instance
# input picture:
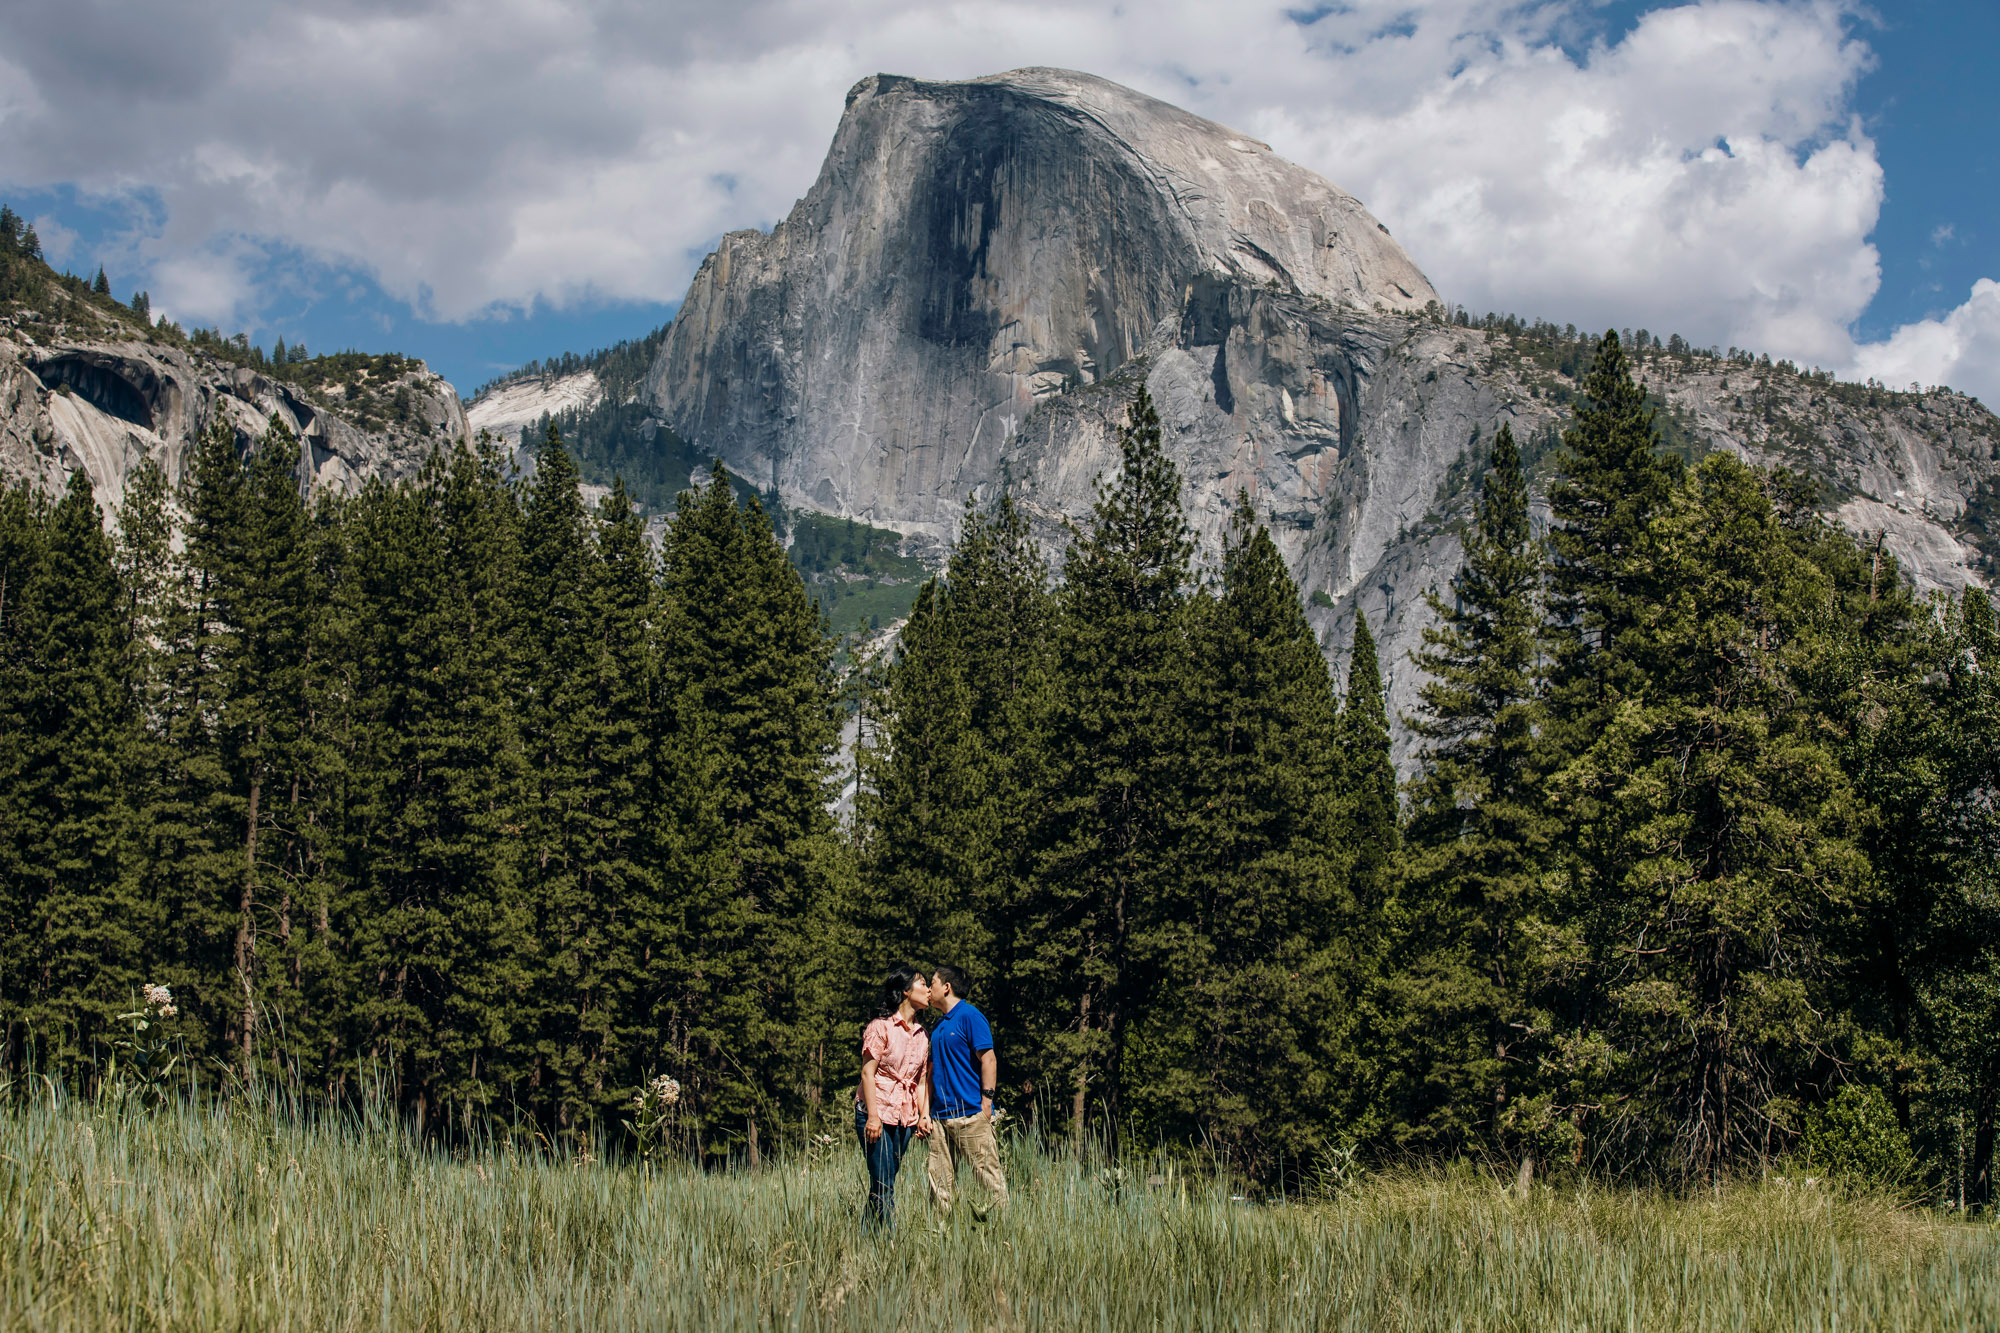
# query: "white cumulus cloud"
(1702, 174)
(1961, 349)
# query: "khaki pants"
(969, 1138)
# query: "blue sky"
(1932, 106)
(484, 184)
(334, 307)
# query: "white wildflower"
(159, 995)
(168, 1011)
(667, 1090)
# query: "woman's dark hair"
(904, 976)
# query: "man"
(964, 1073)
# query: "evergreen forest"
(462, 793)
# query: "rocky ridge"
(84, 386)
(506, 408)
(985, 272)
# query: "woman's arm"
(873, 1129)
(924, 1103)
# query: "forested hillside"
(612, 435)
(462, 789)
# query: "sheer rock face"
(969, 297)
(971, 249)
(984, 272)
(102, 405)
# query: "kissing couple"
(936, 1086)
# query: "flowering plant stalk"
(655, 1112)
(141, 1063)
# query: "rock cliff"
(971, 249)
(99, 395)
(984, 272)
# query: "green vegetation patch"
(230, 1217)
(857, 571)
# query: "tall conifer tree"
(23, 555)
(73, 893)
(191, 816)
(632, 862)
(1262, 906)
(270, 603)
(1118, 766)
(1368, 827)
(565, 729)
(1611, 481)
(436, 805)
(1724, 842)
(926, 805)
(1478, 836)
(749, 668)
(1001, 613)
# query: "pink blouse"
(901, 1052)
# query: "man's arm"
(989, 1079)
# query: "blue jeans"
(884, 1157)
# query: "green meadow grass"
(208, 1217)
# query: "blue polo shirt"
(956, 1042)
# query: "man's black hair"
(953, 978)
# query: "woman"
(894, 1100)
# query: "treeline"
(27, 281)
(1699, 863)
(450, 787)
(37, 292)
(620, 368)
(460, 789)
(1569, 349)
(1704, 837)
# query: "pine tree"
(146, 558)
(1368, 828)
(100, 285)
(23, 562)
(1478, 840)
(633, 864)
(1000, 614)
(1956, 972)
(748, 666)
(1106, 845)
(267, 721)
(72, 892)
(1262, 908)
(925, 808)
(579, 818)
(435, 787)
(190, 814)
(1722, 848)
(1610, 483)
